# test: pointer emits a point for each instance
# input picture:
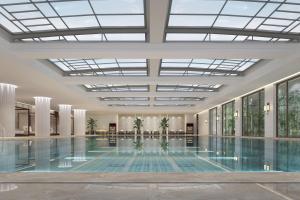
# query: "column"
(270, 113)
(7, 110)
(219, 121)
(65, 120)
(79, 122)
(238, 116)
(42, 116)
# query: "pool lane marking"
(85, 163)
(173, 163)
(274, 192)
(129, 164)
(214, 164)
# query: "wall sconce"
(267, 107)
(205, 121)
(236, 113)
(218, 118)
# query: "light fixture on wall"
(236, 113)
(267, 107)
(205, 121)
(218, 118)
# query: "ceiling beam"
(259, 33)
(212, 80)
(78, 32)
(193, 69)
(149, 94)
(214, 50)
(157, 14)
(153, 102)
(114, 69)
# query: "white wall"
(203, 124)
(176, 123)
(191, 118)
(152, 122)
(103, 120)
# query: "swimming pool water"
(95, 154)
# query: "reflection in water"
(8, 187)
(95, 154)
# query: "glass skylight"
(117, 88)
(201, 20)
(47, 16)
(102, 67)
(130, 105)
(179, 98)
(124, 98)
(187, 88)
(173, 105)
(205, 67)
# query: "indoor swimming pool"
(119, 155)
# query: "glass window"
(205, 67)
(213, 121)
(236, 15)
(253, 114)
(288, 108)
(228, 121)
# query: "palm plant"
(138, 124)
(164, 124)
(91, 125)
(138, 145)
(164, 145)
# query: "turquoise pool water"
(95, 154)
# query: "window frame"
(287, 108)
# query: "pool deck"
(225, 177)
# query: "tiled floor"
(149, 191)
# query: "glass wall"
(213, 113)
(253, 114)
(288, 108)
(228, 121)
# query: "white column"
(65, 120)
(42, 116)
(270, 116)
(219, 121)
(7, 110)
(79, 122)
(238, 119)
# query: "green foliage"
(138, 124)
(164, 124)
(164, 145)
(91, 124)
(138, 145)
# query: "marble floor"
(148, 186)
(149, 191)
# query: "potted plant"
(138, 124)
(91, 125)
(164, 124)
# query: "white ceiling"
(22, 64)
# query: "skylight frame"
(179, 99)
(205, 67)
(129, 105)
(116, 88)
(108, 99)
(62, 29)
(102, 67)
(174, 105)
(188, 88)
(256, 34)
